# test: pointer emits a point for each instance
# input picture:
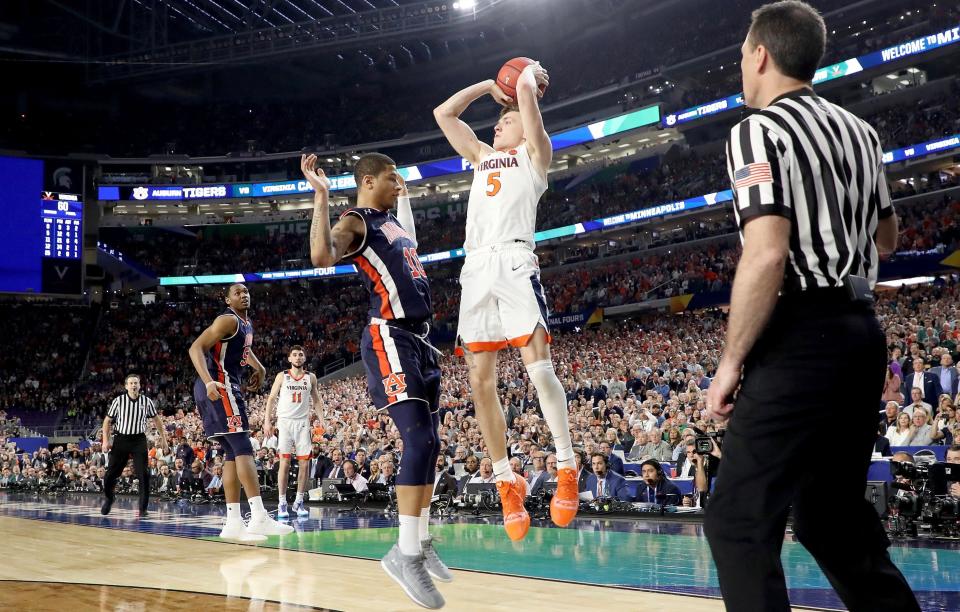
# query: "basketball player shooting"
(503, 302)
(293, 393)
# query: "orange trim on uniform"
(285, 455)
(485, 347)
(290, 372)
(302, 457)
(381, 351)
(222, 379)
(522, 341)
(386, 311)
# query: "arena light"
(465, 5)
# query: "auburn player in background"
(224, 349)
(403, 375)
(293, 393)
(503, 302)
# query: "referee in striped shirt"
(803, 343)
(128, 417)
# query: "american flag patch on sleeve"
(752, 174)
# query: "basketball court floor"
(60, 553)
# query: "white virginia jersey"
(294, 402)
(503, 199)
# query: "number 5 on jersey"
(493, 184)
(413, 262)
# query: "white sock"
(233, 512)
(553, 403)
(501, 469)
(299, 498)
(409, 535)
(257, 510)
(282, 498)
(424, 523)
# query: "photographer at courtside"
(813, 208)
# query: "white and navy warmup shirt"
(821, 167)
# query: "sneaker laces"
(429, 552)
(422, 575)
(247, 517)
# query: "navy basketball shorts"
(400, 367)
(225, 415)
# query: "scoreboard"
(62, 225)
(41, 232)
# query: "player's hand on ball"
(314, 175)
(501, 98)
(213, 390)
(540, 77)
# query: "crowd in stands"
(635, 387)
(923, 120)
(42, 354)
(328, 317)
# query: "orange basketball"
(510, 73)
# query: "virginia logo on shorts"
(395, 384)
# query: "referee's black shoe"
(107, 504)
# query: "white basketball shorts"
(294, 434)
(502, 300)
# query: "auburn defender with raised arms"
(503, 302)
(403, 375)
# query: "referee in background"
(128, 417)
(813, 208)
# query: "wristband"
(212, 382)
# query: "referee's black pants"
(125, 445)
(801, 435)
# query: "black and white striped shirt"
(822, 168)
(130, 416)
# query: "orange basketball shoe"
(516, 520)
(565, 502)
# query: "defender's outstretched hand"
(314, 175)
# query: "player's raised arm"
(327, 246)
(222, 327)
(267, 426)
(458, 133)
(528, 93)
(404, 211)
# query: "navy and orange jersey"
(390, 268)
(229, 355)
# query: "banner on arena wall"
(573, 320)
(952, 260)
(947, 143)
(825, 74)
